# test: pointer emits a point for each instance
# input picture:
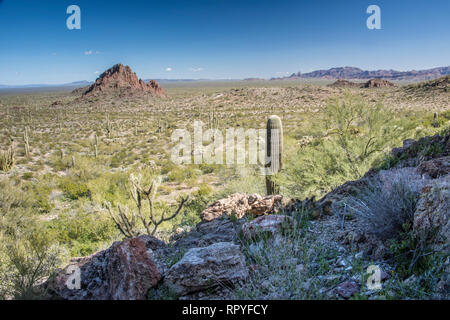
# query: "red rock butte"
(120, 78)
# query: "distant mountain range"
(333, 73)
(84, 83)
(357, 73)
(25, 86)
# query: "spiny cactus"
(274, 152)
(7, 159)
(108, 126)
(95, 145)
(162, 125)
(128, 222)
(213, 121)
(26, 141)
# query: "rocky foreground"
(239, 245)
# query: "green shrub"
(183, 174)
(83, 233)
(75, 190)
(27, 175)
(357, 134)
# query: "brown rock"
(240, 204)
(377, 83)
(125, 271)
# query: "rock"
(240, 204)
(384, 275)
(203, 268)
(347, 289)
(207, 233)
(125, 271)
(377, 83)
(299, 268)
(431, 218)
(413, 151)
(407, 143)
(272, 224)
(435, 168)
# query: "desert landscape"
(238, 158)
(87, 180)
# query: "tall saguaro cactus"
(274, 152)
(26, 142)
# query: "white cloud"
(89, 52)
(96, 72)
(196, 69)
(168, 69)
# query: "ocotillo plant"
(7, 159)
(274, 152)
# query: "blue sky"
(217, 39)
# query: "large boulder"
(208, 267)
(431, 219)
(124, 271)
(240, 204)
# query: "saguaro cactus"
(274, 152)
(26, 142)
(108, 126)
(95, 144)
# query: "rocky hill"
(372, 83)
(440, 84)
(377, 83)
(342, 83)
(277, 248)
(121, 79)
(357, 73)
